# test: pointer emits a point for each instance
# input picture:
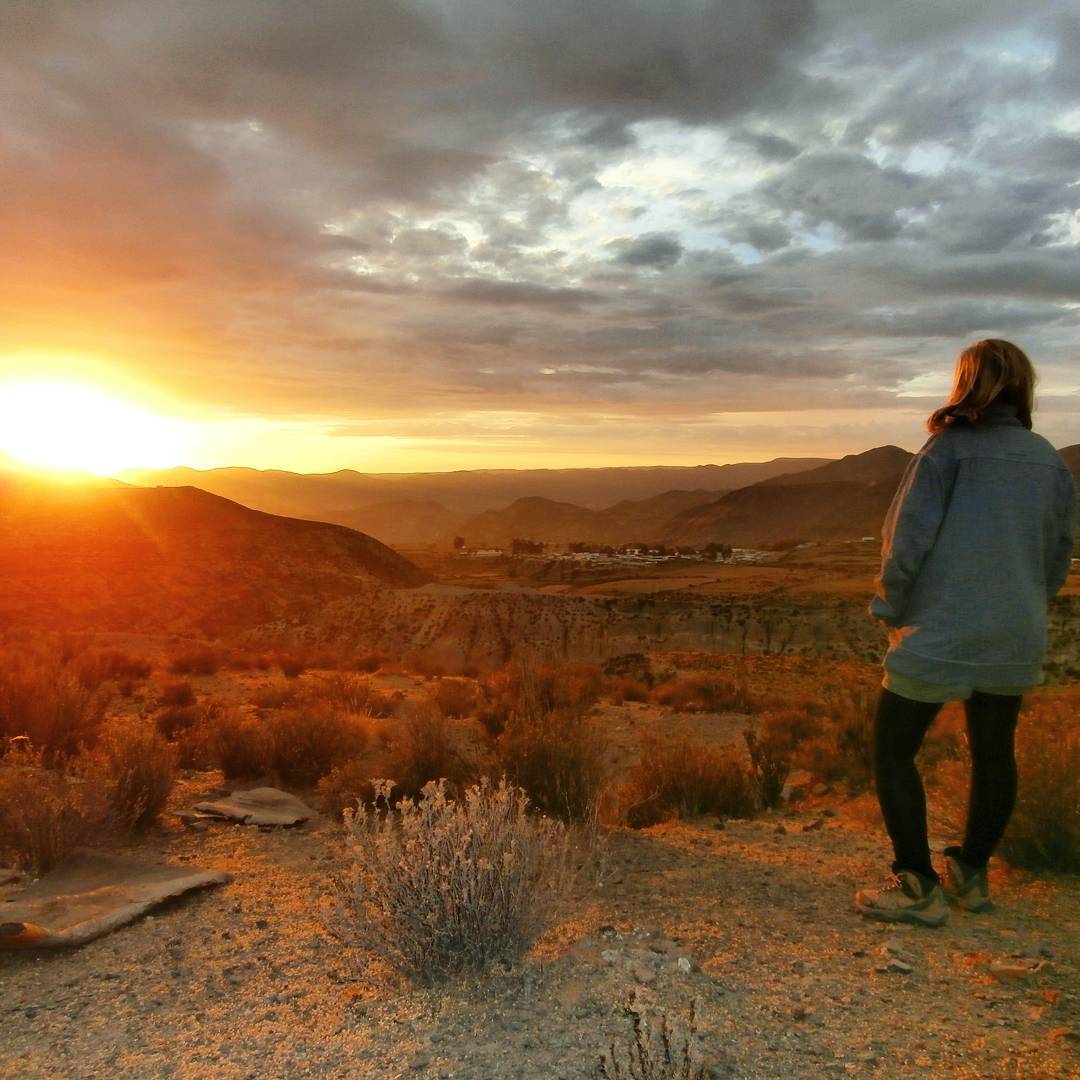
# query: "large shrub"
(682, 779)
(308, 740)
(438, 886)
(43, 699)
(554, 750)
(132, 767)
(43, 811)
(1044, 833)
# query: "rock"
(820, 789)
(898, 966)
(1006, 972)
(685, 965)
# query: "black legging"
(898, 733)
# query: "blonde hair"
(990, 372)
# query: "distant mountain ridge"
(467, 491)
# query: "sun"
(71, 426)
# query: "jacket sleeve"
(1060, 542)
(910, 529)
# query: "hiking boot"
(907, 898)
(968, 885)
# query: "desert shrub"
(624, 688)
(703, 693)
(634, 666)
(133, 768)
(275, 696)
(353, 693)
(42, 810)
(657, 1048)
(682, 779)
(1044, 833)
(173, 722)
(348, 784)
(237, 743)
(790, 727)
(770, 763)
(291, 665)
(438, 887)
(307, 741)
(547, 687)
(367, 663)
(429, 747)
(554, 751)
(454, 697)
(244, 660)
(176, 694)
(97, 666)
(199, 660)
(43, 699)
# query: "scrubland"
(506, 859)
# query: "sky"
(400, 235)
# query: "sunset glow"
(66, 425)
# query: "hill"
(114, 556)
(841, 500)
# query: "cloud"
(656, 251)
(687, 207)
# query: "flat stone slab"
(259, 806)
(90, 896)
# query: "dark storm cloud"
(500, 203)
(657, 251)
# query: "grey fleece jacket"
(977, 541)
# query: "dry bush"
(198, 660)
(353, 693)
(245, 660)
(657, 1048)
(97, 666)
(132, 767)
(429, 747)
(454, 697)
(704, 693)
(523, 687)
(438, 886)
(770, 764)
(292, 666)
(623, 688)
(349, 784)
(307, 741)
(42, 811)
(275, 696)
(236, 742)
(553, 749)
(1044, 833)
(174, 722)
(366, 663)
(42, 698)
(683, 779)
(176, 694)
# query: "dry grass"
(97, 666)
(437, 887)
(683, 779)
(353, 693)
(42, 811)
(132, 767)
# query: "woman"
(978, 539)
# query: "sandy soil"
(245, 981)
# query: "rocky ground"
(751, 920)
